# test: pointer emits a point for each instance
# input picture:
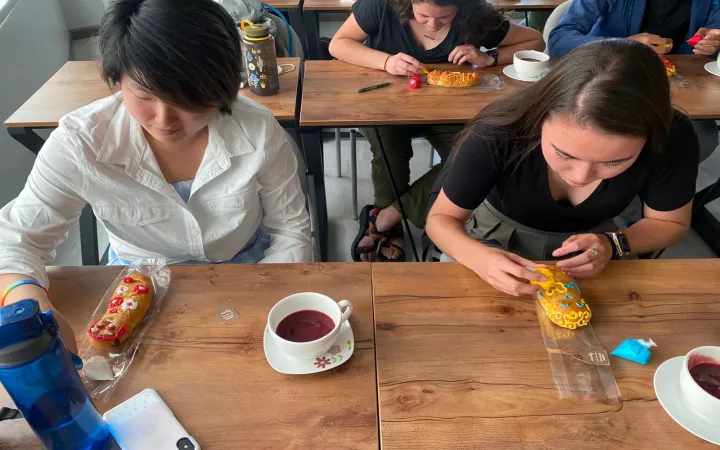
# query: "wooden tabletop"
(346, 5)
(78, 83)
(284, 4)
(527, 5)
(462, 366)
(215, 377)
(330, 97)
(701, 100)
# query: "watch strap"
(611, 238)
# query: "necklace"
(432, 38)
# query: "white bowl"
(530, 69)
(339, 312)
(696, 396)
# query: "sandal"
(367, 220)
(393, 240)
(380, 239)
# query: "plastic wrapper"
(635, 350)
(489, 82)
(103, 369)
(580, 366)
(486, 82)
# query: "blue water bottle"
(38, 373)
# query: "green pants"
(398, 146)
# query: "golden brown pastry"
(452, 79)
(127, 308)
(561, 298)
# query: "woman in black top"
(542, 172)
(401, 36)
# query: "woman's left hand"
(596, 252)
(467, 53)
(710, 43)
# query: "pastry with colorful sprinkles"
(561, 298)
(127, 308)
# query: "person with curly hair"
(399, 37)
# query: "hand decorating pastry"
(127, 308)
(561, 298)
(452, 79)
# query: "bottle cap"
(257, 31)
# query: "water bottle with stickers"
(41, 378)
(260, 58)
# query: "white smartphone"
(144, 422)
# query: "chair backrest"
(553, 20)
(283, 29)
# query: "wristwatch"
(619, 243)
(494, 55)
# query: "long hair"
(616, 86)
(474, 19)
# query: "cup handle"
(346, 309)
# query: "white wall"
(83, 13)
(32, 47)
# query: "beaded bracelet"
(21, 283)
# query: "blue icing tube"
(636, 350)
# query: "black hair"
(474, 18)
(184, 52)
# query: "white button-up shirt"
(98, 155)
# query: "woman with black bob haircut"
(175, 164)
(541, 173)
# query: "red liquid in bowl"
(305, 326)
(707, 376)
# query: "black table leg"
(297, 24)
(88, 238)
(27, 138)
(312, 34)
(313, 148)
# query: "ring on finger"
(594, 253)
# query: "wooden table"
(461, 365)
(78, 83)
(215, 377)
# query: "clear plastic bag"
(489, 82)
(580, 365)
(121, 356)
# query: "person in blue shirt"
(663, 25)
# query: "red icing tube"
(693, 41)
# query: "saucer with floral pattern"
(338, 354)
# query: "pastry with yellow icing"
(561, 298)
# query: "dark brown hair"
(474, 19)
(184, 52)
(613, 85)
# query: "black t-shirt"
(479, 169)
(668, 19)
(379, 21)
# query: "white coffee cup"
(696, 396)
(530, 69)
(339, 313)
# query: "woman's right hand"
(508, 272)
(660, 44)
(404, 65)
